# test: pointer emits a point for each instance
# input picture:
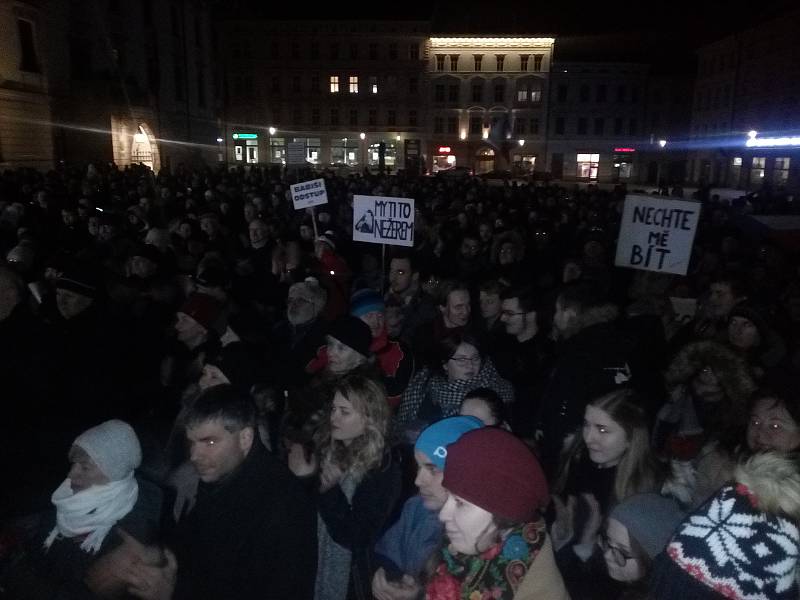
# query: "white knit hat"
(114, 448)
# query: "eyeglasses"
(510, 313)
(620, 556)
(464, 360)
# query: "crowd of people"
(253, 405)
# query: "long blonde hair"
(364, 453)
(637, 471)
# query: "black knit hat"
(352, 332)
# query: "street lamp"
(362, 135)
(272, 130)
(521, 142)
(663, 144)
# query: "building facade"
(749, 82)
(25, 105)
(351, 93)
(487, 103)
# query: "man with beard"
(414, 308)
(301, 334)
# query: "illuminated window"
(780, 171)
(353, 84)
(523, 62)
(522, 95)
(500, 60)
(478, 60)
(757, 171)
(587, 165)
(373, 84)
(440, 62)
(454, 62)
(334, 84)
(737, 161)
(537, 62)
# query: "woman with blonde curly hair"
(359, 484)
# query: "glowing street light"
(399, 138)
(662, 143)
(463, 135)
(219, 140)
(521, 142)
(752, 133)
(272, 130)
(362, 135)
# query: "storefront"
(444, 158)
(587, 165)
(345, 151)
(312, 149)
(389, 154)
(245, 147)
(623, 163)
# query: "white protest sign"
(657, 234)
(296, 153)
(382, 220)
(309, 193)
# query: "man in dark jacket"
(252, 530)
(591, 360)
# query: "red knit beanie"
(204, 309)
(494, 470)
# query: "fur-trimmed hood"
(729, 367)
(774, 480)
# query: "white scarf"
(93, 511)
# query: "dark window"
(477, 92)
(391, 118)
(560, 125)
(179, 83)
(147, 12)
(452, 93)
(413, 85)
(438, 125)
(478, 60)
(519, 126)
(599, 125)
(454, 62)
(201, 87)
(315, 83)
(27, 43)
(583, 125)
(315, 116)
(198, 33)
(621, 93)
(452, 124)
(583, 94)
(601, 93)
(315, 50)
(275, 50)
(354, 51)
(412, 118)
(440, 62)
(635, 95)
(176, 21)
(501, 58)
(335, 116)
(413, 52)
(295, 50)
(353, 117)
(372, 117)
(335, 51)
(537, 62)
(80, 58)
(523, 62)
(562, 92)
(297, 115)
(534, 127)
(475, 125)
(275, 88)
(438, 93)
(296, 83)
(499, 92)
(632, 127)
(392, 51)
(373, 51)
(248, 86)
(618, 126)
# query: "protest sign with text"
(383, 220)
(657, 233)
(309, 193)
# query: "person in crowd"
(489, 296)
(703, 423)
(485, 404)
(636, 531)
(394, 358)
(508, 253)
(496, 542)
(455, 309)
(358, 483)
(66, 549)
(750, 334)
(333, 272)
(438, 392)
(416, 308)
(591, 359)
(742, 543)
(471, 266)
(405, 548)
(524, 357)
(774, 423)
(249, 523)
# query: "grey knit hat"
(114, 448)
(650, 519)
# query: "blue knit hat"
(433, 441)
(366, 301)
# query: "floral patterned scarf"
(495, 574)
